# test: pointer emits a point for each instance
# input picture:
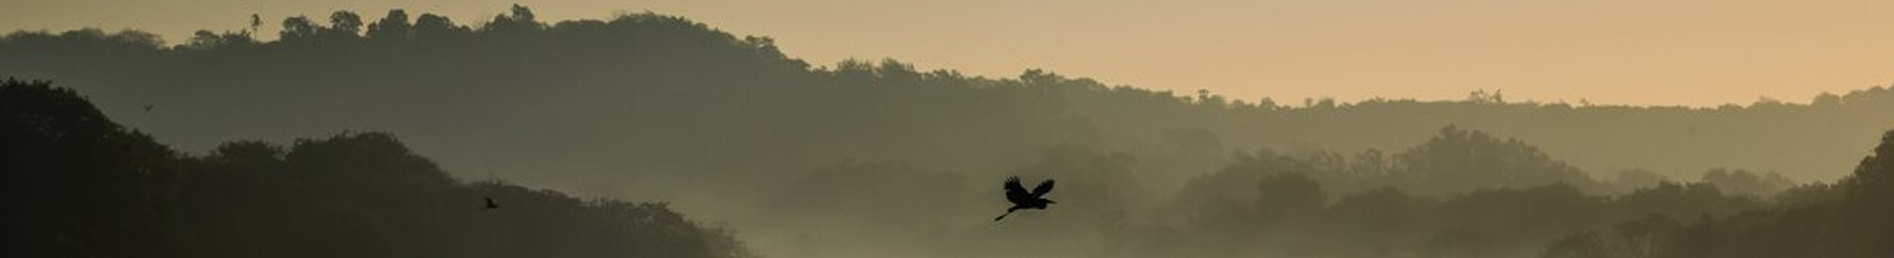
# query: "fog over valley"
(381, 133)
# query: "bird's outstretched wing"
(1016, 193)
(1042, 189)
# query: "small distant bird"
(491, 205)
(1022, 199)
(148, 107)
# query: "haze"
(1678, 52)
(709, 129)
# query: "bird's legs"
(1009, 211)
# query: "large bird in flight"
(1022, 199)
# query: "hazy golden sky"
(1692, 52)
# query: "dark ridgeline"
(1288, 213)
(83, 186)
(645, 94)
(1851, 218)
(676, 93)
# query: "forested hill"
(83, 186)
(570, 104)
(859, 158)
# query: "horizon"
(1718, 62)
(860, 128)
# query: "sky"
(1641, 52)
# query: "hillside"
(876, 158)
(88, 187)
(593, 98)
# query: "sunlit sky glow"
(1668, 52)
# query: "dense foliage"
(1847, 219)
(87, 187)
(861, 158)
(647, 91)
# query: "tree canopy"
(90, 188)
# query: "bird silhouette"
(490, 204)
(148, 107)
(1022, 199)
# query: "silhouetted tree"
(299, 27)
(648, 95)
(345, 23)
(393, 26)
(90, 188)
(1458, 160)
